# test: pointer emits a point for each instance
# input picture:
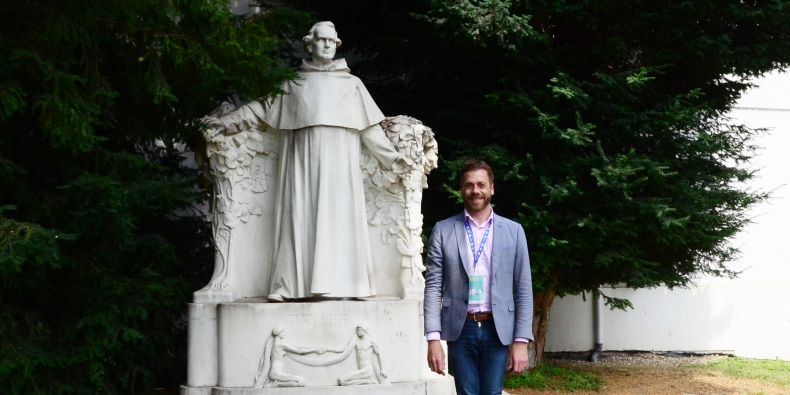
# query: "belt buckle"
(474, 318)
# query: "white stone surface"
(310, 183)
(395, 327)
(316, 195)
(244, 168)
(438, 386)
(393, 207)
(202, 362)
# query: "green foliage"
(602, 120)
(487, 22)
(100, 241)
(549, 377)
(767, 371)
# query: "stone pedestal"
(437, 386)
(227, 343)
(202, 348)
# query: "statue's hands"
(212, 125)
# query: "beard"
(475, 203)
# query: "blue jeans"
(478, 359)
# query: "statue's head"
(322, 42)
(362, 330)
(277, 331)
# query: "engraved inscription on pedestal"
(310, 321)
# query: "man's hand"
(436, 356)
(518, 359)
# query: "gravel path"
(647, 359)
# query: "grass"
(553, 377)
(762, 370)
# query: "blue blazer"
(447, 280)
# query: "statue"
(322, 245)
(369, 370)
(271, 372)
(307, 185)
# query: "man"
(478, 290)
(321, 246)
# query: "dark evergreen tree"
(100, 241)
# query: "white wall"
(749, 315)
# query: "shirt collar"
(472, 220)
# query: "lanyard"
(472, 241)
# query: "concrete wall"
(750, 315)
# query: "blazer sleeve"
(434, 280)
(522, 289)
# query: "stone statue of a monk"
(321, 246)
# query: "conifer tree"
(101, 239)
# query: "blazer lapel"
(499, 240)
(460, 237)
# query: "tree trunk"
(540, 326)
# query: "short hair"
(311, 34)
(475, 164)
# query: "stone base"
(439, 386)
(318, 342)
(212, 296)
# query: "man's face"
(324, 45)
(476, 190)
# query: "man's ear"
(492, 189)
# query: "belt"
(479, 316)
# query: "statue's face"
(324, 45)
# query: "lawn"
(646, 373)
(762, 370)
